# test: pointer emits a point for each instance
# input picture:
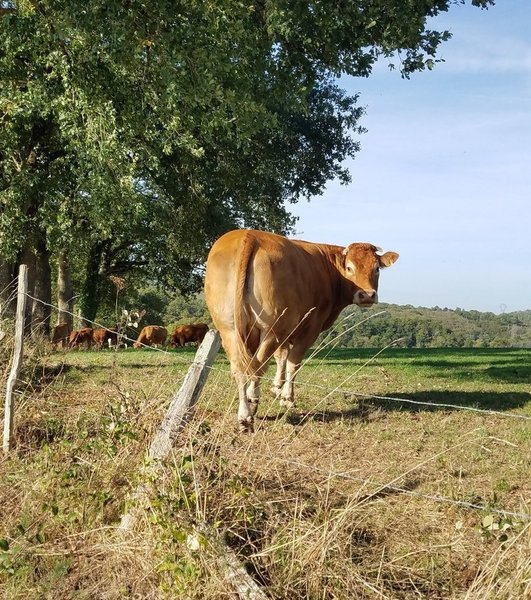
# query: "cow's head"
(361, 266)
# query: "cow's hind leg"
(251, 382)
(253, 394)
(293, 365)
(246, 409)
(281, 356)
(242, 373)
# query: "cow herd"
(151, 335)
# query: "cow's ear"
(387, 259)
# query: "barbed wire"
(381, 487)
(341, 390)
(337, 389)
(423, 403)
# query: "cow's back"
(154, 334)
(259, 283)
(198, 332)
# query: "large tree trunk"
(42, 309)
(65, 293)
(7, 290)
(90, 294)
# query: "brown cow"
(60, 335)
(81, 336)
(151, 335)
(269, 295)
(195, 332)
(102, 335)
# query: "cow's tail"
(242, 324)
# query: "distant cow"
(60, 335)
(103, 336)
(269, 295)
(80, 337)
(151, 335)
(195, 332)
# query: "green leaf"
(488, 521)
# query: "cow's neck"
(343, 288)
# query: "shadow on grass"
(435, 401)
(429, 355)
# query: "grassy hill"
(418, 327)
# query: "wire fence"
(338, 389)
(379, 487)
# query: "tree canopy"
(134, 133)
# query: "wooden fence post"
(183, 403)
(178, 414)
(9, 411)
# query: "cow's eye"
(349, 269)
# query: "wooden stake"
(183, 403)
(177, 416)
(9, 411)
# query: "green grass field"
(346, 495)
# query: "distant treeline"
(360, 328)
(418, 327)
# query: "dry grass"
(311, 502)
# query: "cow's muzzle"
(366, 297)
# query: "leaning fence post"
(183, 403)
(178, 414)
(9, 410)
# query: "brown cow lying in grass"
(80, 337)
(195, 332)
(151, 335)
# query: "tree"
(133, 134)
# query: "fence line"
(382, 487)
(391, 398)
(424, 403)
(338, 388)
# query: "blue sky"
(444, 173)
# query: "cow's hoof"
(276, 391)
(246, 425)
(253, 406)
(287, 403)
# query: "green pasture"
(353, 493)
